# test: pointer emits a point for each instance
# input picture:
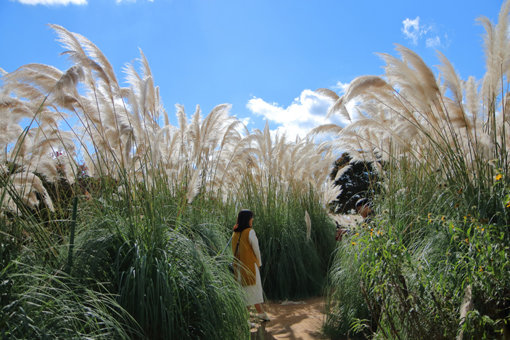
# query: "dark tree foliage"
(356, 182)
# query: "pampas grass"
(122, 125)
(154, 201)
(443, 209)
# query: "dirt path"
(295, 320)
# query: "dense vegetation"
(115, 223)
(433, 262)
(114, 226)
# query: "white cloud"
(411, 29)
(416, 31)
(433, 42)
(341, 87)
(52, 2)
(303, 114)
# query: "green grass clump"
(49, 305)
(139, 260)
(345, 303)
(165, 270)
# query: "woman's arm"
(254, 242)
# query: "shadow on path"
(260, 333)
(300, 320)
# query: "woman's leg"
(262, 315)
(259, 308)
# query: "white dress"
(253, 294)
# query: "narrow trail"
(294, 320)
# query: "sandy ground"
(295, 320)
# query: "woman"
(245, 247)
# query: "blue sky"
(265, 57)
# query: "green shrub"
(53, 305)
(413, 264)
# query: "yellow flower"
(443, 218)
(353, 243)
(379, 232)
(498, 177)
(508, 204)
(357, 234)
(467, 241)
(480, 269)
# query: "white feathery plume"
(68, 40)
(95, 53)
(501, 43)
(325, 128)
(26, 184)
(44, 76)
(342, 170)
(308, 223)
(364, 84)
(426, 76)
(472, 98)
(490, 79)
(7, 202)
(69, 80)
(193, 185)
(328, 93)
(339, 108)
(451, 78)
(194, 133)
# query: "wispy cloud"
(416, 31)
(53, 2)
(411, 29)
(433, 42)
(303, 114)
(341, 87)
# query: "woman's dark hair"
(243, 219)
